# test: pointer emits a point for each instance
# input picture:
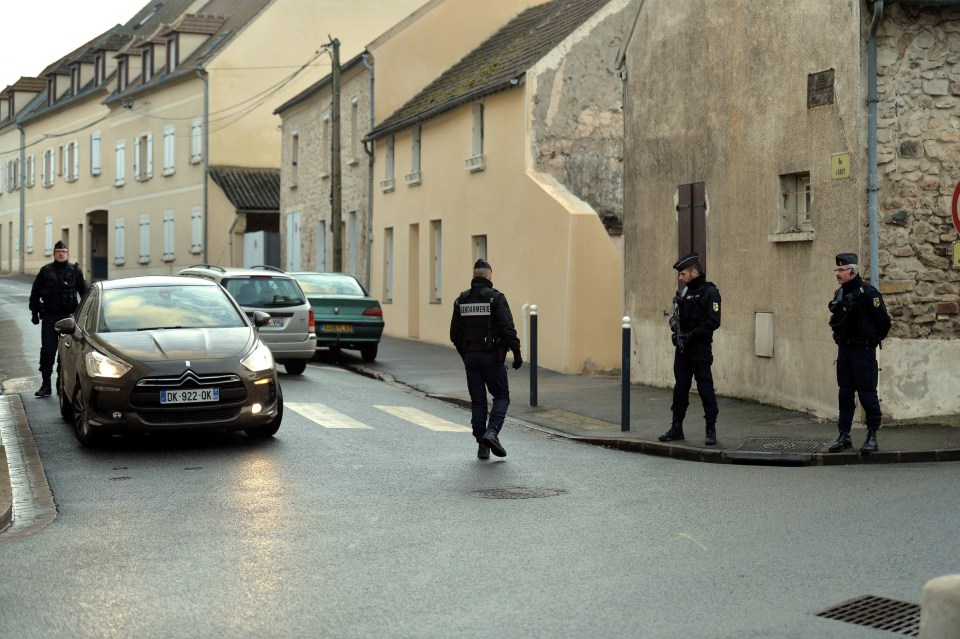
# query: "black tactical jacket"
(697, 313)
(56, 288)
(482, 320)
(858, 316)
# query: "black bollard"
(533, 355)
(625, 377)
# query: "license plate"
(279, 322)
(337, 328)
(189, 396)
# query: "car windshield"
(166, 307)
(264, 291)
(327, 284)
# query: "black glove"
(36, 318)
(517, 360)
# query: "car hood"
(181, 343)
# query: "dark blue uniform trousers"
(48, 340)
(857, 373)
(694, 363)
(485, 373)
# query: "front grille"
(192, 415)
(146, 394)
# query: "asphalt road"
(361, 520)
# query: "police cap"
(482, 263)
(59, 245)
(685, 262)
(846, 259)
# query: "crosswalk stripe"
(324, 415)
(420, 418)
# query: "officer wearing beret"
(482, 331)
(696, 315)
(54, 296)
(859, 320)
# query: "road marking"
(325, 416)
(420, 418)
(690, 537)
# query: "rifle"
(679, 337)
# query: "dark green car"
(345, 315)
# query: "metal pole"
(625, 377)
(533, 355)
(335, 188)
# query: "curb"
(6, 493)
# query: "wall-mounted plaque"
(819, 89)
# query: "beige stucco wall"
(419, 49)
(717, 93)
(546, 247)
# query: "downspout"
(206, 163)
(23, 191)
(369, 151)
(872, 186)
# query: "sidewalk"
(588, 409)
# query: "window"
(121, 74)
(121, 170)
(353, 243)
(30, 236)
(294, 241)
(51, 89)
(168, 150)
(168, 236)
(387, 184)
(354, 130)
(173, 53)
(479, 247)
(48, 236)
(48, 168)
(325, 148)
(475, 162)
(322, 245)
(146, 59)
(143, 158)
(61, 161)
(75, 79)
(71, 162)
(414, 178)
(294, 157)
(795, 203)
(119, 242)
(99, 68)
(144, 239)
(436, 256)
(31, 170)
(196, 230)
(96, 166)
(196, 142)
(692, 220)
(388, 265)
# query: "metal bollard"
(940, 608)
(533, 354)
(625, 376)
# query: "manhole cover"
(779, 445)
(516, 493)
(901, 617)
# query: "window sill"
(168, 172)
(119, 261)
(475, 164)
(119, 183)
(353, 162)
(413, 179)
(386, 186)
(791, 236)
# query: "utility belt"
(861, 343)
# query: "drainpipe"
(23, 190)
(872, 186)
(206, 161)
(369, 151)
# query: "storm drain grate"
(881, 613)
(778, 445)
(516, 493)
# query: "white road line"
(420, 418)
(324, 415)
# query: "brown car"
(159, 353)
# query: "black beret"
(59, 245)
(686, 261)
(481, 263)
(845, 259)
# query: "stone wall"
(919, 167)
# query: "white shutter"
(120, 165)
(144, 239)
(168, 148)
(31, 170)
(136, 160)
(48, 236)
(119, 243)
(43, 169)
(149, 166)
(30, 236)
(196, 230)
(95, 167)
(76, 160)
(168, 236)
(196, 141)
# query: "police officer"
(54, 296)
(696, 315)
(482, 331)
(859, 320)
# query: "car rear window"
(264, 291)
(330, 285)
(157, 307)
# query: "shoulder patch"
(876, 302)
(716, 307)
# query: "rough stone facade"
(919, 166)
(578, 118)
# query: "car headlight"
(260, 359)
(100, 365)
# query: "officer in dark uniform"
(482, 331)
(859, 321)
(696, 315)
(54, 296)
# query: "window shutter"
(76, 160)
(196, 230)
(144, 239)
(168, 236)
(95, 167)
(149, 166)
(119, 243)
(136, 159)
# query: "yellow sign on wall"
(841, 166)
(956, 255)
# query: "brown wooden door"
(692, 221)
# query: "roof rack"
(267, 267)
(210, 266)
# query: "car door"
(70, 347)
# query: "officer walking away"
(696, 315)
(859, 321)
(55, 294)
(482, 331)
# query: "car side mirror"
(259, 318)
(66, 326)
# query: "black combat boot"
(483, 452)
(843, 442)
(870, 445)
(491, 440)
(674, 434)
(711, 438)
(45, 390)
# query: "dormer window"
(75, 79)
(173, 53)
(147, 59)
(99, 68)
(122, 74)
(147, 17)
(51, 89)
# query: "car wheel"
(295, 366)
(368, 352)
(86, 434)
(269, 430)
(66, 409)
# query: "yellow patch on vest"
(716, 307)
(876, 302)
